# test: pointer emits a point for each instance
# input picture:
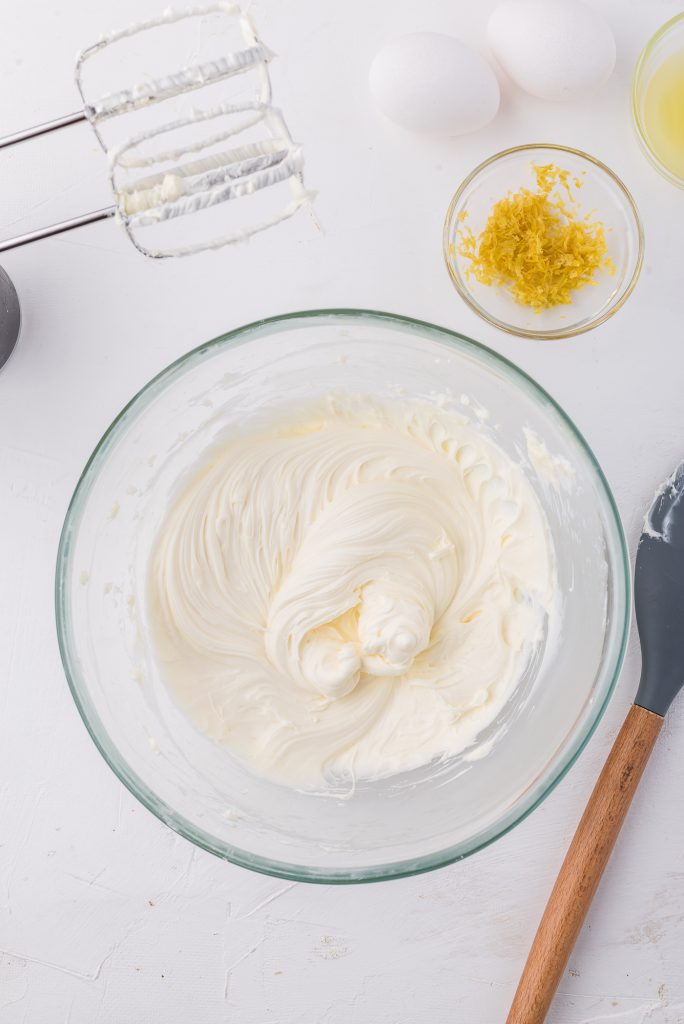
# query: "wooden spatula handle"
(583, 866)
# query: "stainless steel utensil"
(173, 166)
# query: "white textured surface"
(105, 915)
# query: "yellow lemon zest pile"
(536, 245)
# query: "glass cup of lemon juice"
(658, 100)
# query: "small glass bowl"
(602, 194)
(669, 39)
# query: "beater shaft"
(42, 129)
(57, 229)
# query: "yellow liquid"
(663, 113)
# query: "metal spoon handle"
(583, 866)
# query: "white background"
(106, 915)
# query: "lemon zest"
(536, 245)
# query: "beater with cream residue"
(168, 161)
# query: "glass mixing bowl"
(383, 829)
(602, 194)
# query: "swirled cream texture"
(350, 592)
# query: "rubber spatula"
(659, 600)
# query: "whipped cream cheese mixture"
(352, 591)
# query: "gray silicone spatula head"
(659, 597)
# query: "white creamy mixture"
(353, 591)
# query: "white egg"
(555, 49)
(434, 84)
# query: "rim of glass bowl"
(637, 85)
(608, 674)
(561, 332)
